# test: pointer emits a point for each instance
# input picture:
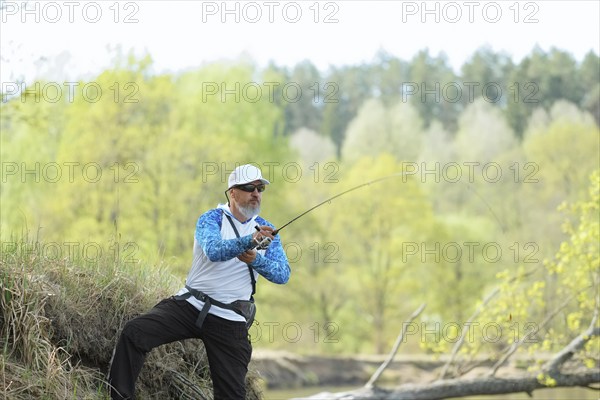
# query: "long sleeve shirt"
(218, 272)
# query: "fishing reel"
(264, 243)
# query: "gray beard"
(249, 211)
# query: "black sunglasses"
(250, 187)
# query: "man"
(216, 304)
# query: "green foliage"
(546, 307)
(431, 74)
(482, 134)
(543, 78)
(576, 265)
(164, 145)
(381, 219)
(396, 130)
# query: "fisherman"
(232, 246)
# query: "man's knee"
(133, 333)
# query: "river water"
(541, 394)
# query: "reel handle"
(266, 241)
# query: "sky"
(77, 39)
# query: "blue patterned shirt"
(218, 272)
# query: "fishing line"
(266, 241)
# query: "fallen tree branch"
(392, 354)
(464, 387)
(549, 376)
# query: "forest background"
(498, 161)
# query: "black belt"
(245, 308)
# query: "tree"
(561, 157)
(438, 145)
(575, 360)
(397, 130)
(482, 142)
(540, 80)
(485, 67)
(312, 147)
(382, 219)
(304, 110)
(349, 87)
(388, 74)
(428, 76)
(589, 72)
(537, 123)
(482, 133)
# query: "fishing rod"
(276, 231)
(265, 242)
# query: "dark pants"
(227, 347)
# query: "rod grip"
(275, 232)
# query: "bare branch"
(399, 341)
(466, 328)
(576, 344)
(464, 387)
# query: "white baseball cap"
(245, 174)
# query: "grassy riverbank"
(60, 318)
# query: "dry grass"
(59, 321)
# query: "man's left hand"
(248, 256)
